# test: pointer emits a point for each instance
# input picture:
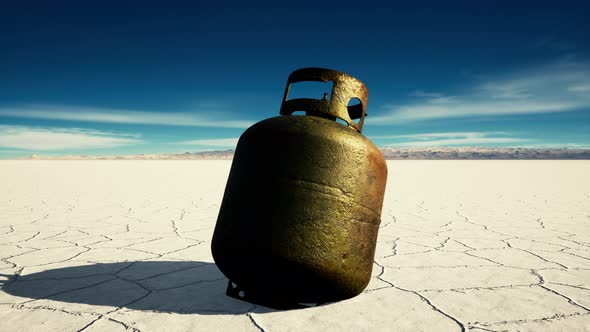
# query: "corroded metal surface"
(302, 206)
(345, 89)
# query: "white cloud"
(565, 145)
(449, 139)
(43, 139)
(424, 94)
(580, 88)
(219, 142)
(428, 136)
(92, 114)
(510, 90)
(560, 87)
(432, 97)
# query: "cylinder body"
(301, 210)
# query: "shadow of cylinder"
(185, 287)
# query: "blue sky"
(127, 77)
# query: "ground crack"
(435, 308)
(260, 328)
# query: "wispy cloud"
(204, 118)
(559, 87)
(44, 139)
(425, 94)
(449, 139)
(565, 145)
(580, 88)
(219, 142)
(432, 97)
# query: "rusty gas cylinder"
(302, 206)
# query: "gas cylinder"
(302, 206)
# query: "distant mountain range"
(388, 153)
(484, 153)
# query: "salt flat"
(124, 245)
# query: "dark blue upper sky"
(118, 77)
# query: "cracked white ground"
(124, 245)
